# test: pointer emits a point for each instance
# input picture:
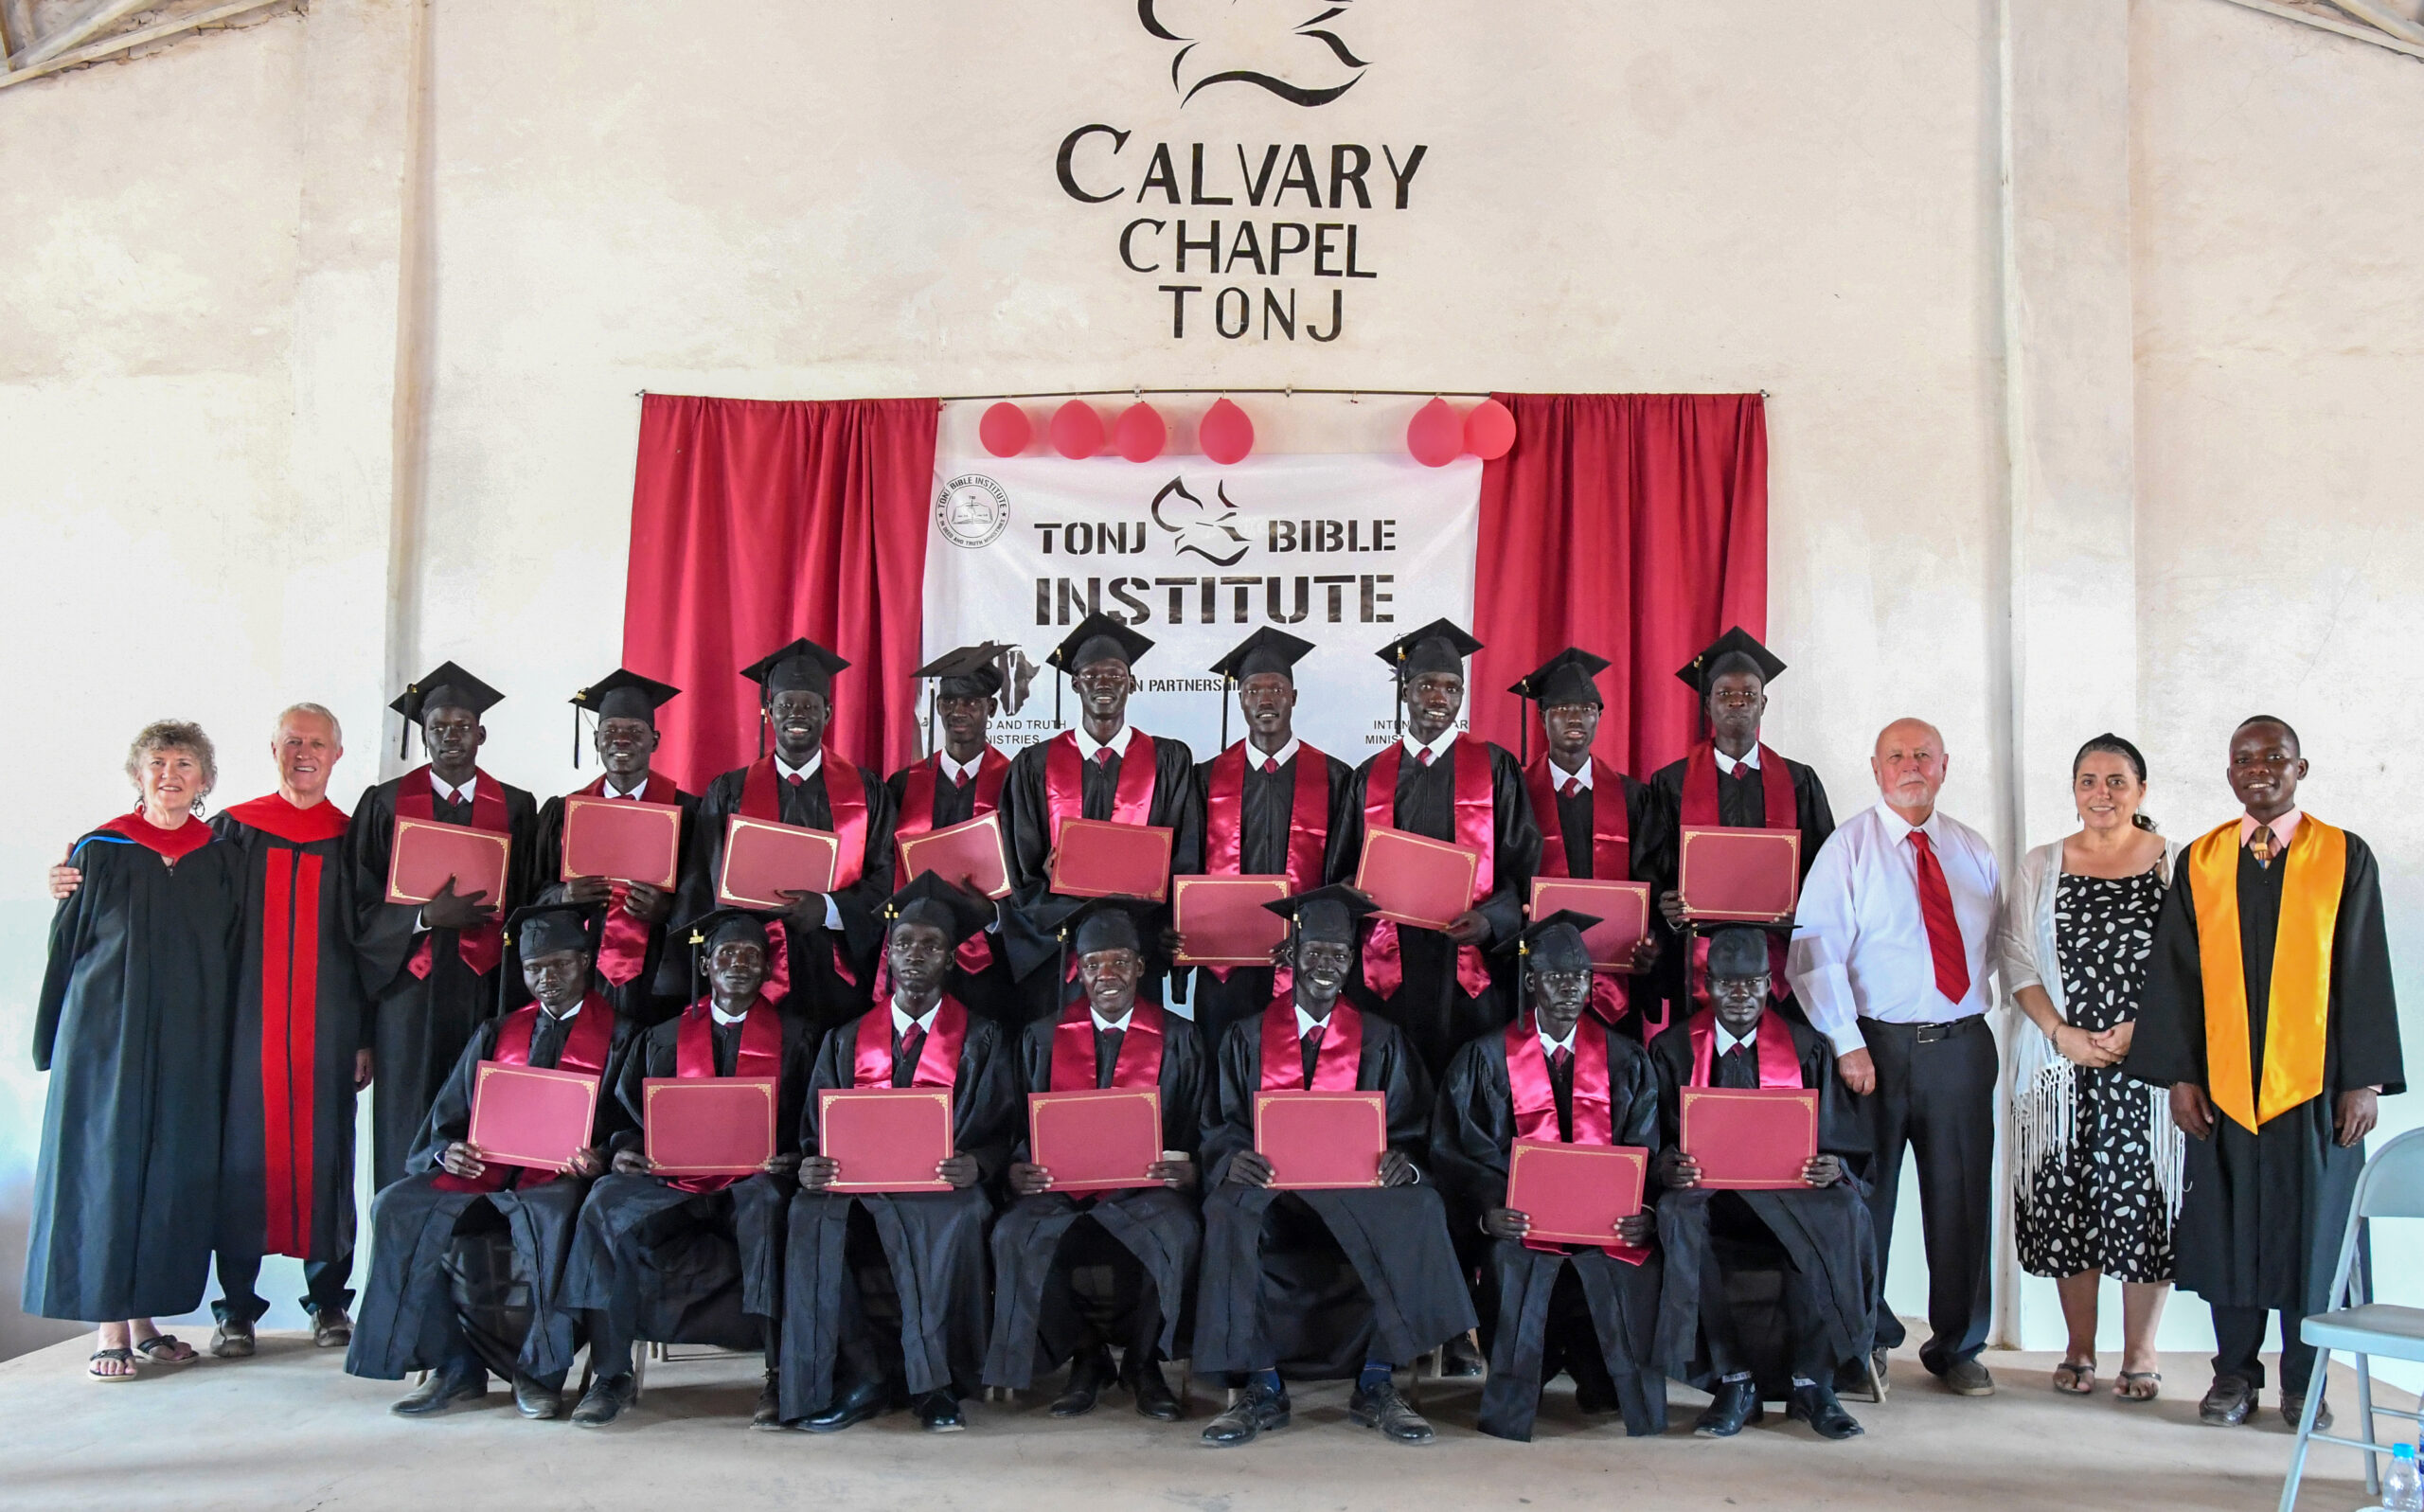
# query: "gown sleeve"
(1228, 1119)
(1817, 821)
(1347, 829)
(2365, 1003)
(1517, 843)
(66, 944)
(1183, 1064)
(1407, 1086)
(449, 1111)
(1023, 809)
(1183, 808)
(985, 1101)
(1472, 1128)
(2169, 1045)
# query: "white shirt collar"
(1558, 777)
(610, 790)
(900, 1021)
(1117, 744)
(1727, 1042)
(954, 771)
(565, 1017)
(1549, 1046)
(1306, 1022)
(437, 784)
(1103, 1025)
(1437, 748)
(1897, 828)
(1256, 756)
(786, 771)
(727, 1020)
(1726, 764)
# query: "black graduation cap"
(711, 929)
(621, 694)
(1109, 924)
(929, 900)
(970, 671)
(1554, 941)
(1734, 651)
(1438, 647)
(1331, 912)
(446, 686)
(1739, 952)
(802, 665)
(1569, 677)
(1266, 651)
(542, 929)
(1097, 636)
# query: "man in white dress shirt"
(1890, 959)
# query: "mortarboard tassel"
(1226, 686)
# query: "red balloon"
(1004, 430)
(1489, 430)
(1140, 434)
(1076, 429)
(1225, 433)
(1434, 435)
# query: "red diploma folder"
(888, 1139)
(425, 853)
(1752, 876)
(763, 860)
(1224, 921)
(707, 1125)
(522, 1115)
(1575, 1193)
(1622, 909)
(1094, 858)
(622, 840)
(1095, 1140)
(1418, 879)
(1749, 1139)
(973, 850)
(1321, 1139)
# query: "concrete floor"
(289, 1428)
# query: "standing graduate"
(1817, 1235)
(961, 781)
(1270, 802)
(1555, 1075)
(1147, 1235)
(694, 1259)
(1436, 781)
(132, 1026)
(838, 1368)
(2269, 1001)
(826, 943)
(1320, 1284)
(468, 1252)
(431, 971)
(1588, 811)
(631, 945)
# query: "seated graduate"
(961, 781)
(1314, 1282)
(694, 1259)
(1818, 1236)
(1554, 1074)
(927, 1249)
(1148, 1236)
(468, 1254)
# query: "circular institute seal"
(972, 511)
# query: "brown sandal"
(2073, 1379)
(2125, 1385)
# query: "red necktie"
(905, 1060)
(1102, 756)
(1944, 928)
(1424, 758)
(1270, 766)
(796, 779)
(1573, 788)
(959, 778)
(456, 798)
(1560, 1058)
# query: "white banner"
(1347, 552)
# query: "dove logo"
(972, 511)
(1198, 527)
(1289, 47)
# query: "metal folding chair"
(2390, 1185)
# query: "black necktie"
(728, 1042)
(1107, 1043)
(1561, 1089)
(904, 1056)
(1312, 1045)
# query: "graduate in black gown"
(468, 1252)
(1270, 803)
(823, 965)
(961, 781)
(1435, 987)
(1320, 1284)
(132, 1026)
(1097, 771)
(2270, 1014)
(1817, 1235)
(1556, 1073)
(841, 1365)
(431, 972)
(1147, 1235)
(631, 948)
(694, 1259)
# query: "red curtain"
(1635, 526)
(755, 522)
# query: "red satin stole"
(1699, 806)
(1476, 828)
(272, 813)
(759, 1054)
(1139, 1062)
(622, 948)
(586, 1050)
(1335, 1064)
(1779, 1063)
(846, 797)
(1611, 851)
(1527, 1080)
(172, 845)
(1307, 827)
(937, 1059)
(480, 949)
(1064, 791)
(917, 817)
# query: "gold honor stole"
(2293, 1024)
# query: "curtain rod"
(1289, 392)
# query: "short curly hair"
(173, 735)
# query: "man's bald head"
(1909, 765)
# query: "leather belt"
(1929, 1033)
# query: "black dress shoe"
(536, 1400)
(232, 1339)
(1816, 1406)
(1381, 1407)
(1737, 1402)
(2227, 1403)
(1459, 1359)
(770, 1404)
(1088, 1375)
(604, 1400)
(331, 1329)
(939, 1411)
(2293, 1408)
(1155, 1399)
(1258, 1410)
(445, 1388)
(865, 1401)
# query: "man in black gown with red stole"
(961, 781)
(468, 1252)
(1147, 1235)
(1554, 1074)
(632, 946)
(431, 971)
(824, 959)
(1270, 802)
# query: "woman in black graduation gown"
(132, 1026)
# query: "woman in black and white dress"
(2095, 1160)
